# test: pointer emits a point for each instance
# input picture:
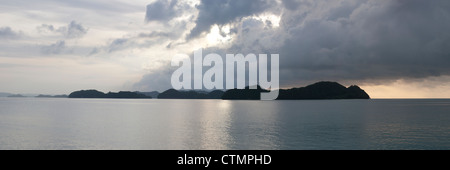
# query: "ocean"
(166, 124)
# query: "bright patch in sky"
(218, 36)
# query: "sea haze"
(62, 123)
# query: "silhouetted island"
(244, 94)
(175, 94)
(98, 94)
(320, 90)
(153, 94)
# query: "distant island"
(244, 94)
(316, 91)
(323, 90)
(320, 90)
(153, 94)
(175, 94)
(99, 94)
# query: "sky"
(390, 48)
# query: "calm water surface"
(41, 123)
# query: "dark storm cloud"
(368, 41)
(223, 12)
(355, 41)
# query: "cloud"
(154, 34)
(72, 30)
(55, 48)
(350, 41)
(226, 11)
(118, 44)
(45, 28)
(162, 10)
(93, 51)
(8, 33)
(143, 40)
(369, 40)
(159, 81)
(291, 4)
(75, 30)
(353, 41)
